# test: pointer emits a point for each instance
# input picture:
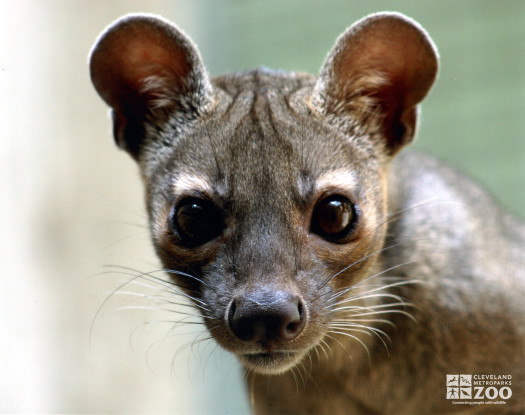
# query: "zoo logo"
(461, 387)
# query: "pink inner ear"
(148, 69)
(396, 55)
(141, 58)
(390, 45)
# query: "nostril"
(243, 321)
(231, 312)
(295, 321)
(291, 327)
(300, 309)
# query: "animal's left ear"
(378, 71)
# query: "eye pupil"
(195, 222)
(333, 218)
(189, 219)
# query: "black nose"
(262, 317)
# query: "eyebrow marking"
(186, 183)
(337, 179)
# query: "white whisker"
(355, 338)
(363, 320)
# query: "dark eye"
(195, 222)
(334, 218)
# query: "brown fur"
(426, 276)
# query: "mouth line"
(269, 355)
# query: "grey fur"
(433, 260)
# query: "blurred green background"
(70, 202)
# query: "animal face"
(263, 222)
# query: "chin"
(273, 363)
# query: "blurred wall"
(71, 204)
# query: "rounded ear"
(379, 70)
(143, 66)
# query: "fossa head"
(266, 191)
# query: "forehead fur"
(261, 120)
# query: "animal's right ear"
(145, 68)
